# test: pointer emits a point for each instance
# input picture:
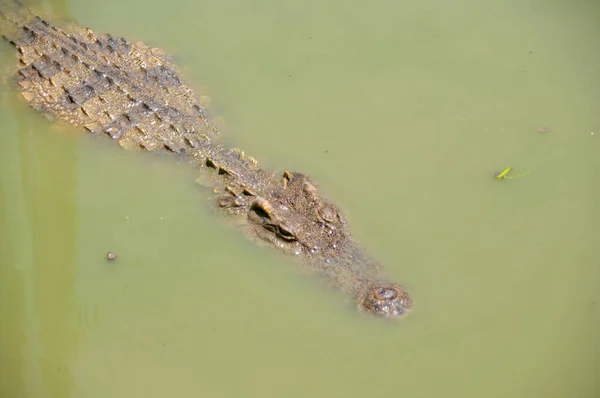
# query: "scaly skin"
(131, 93)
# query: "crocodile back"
(127, 90)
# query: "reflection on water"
(38, 264)
(12, 330)
(402, 111)
(38, 259)
(48, 188)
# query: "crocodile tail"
(14, 17)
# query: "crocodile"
(133, 94)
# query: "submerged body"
(131, 93)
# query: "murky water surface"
(401, 111)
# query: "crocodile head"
(296, 219)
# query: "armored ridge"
(132, 93)
(128, 91)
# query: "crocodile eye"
(285, 233)
(280, 231)
(261, 212)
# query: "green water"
(401, 111)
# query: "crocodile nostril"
(389, 301)
(386, 293)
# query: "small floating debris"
(111, 256)
(543, 129)
(501, 175)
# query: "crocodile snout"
(384, 300)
